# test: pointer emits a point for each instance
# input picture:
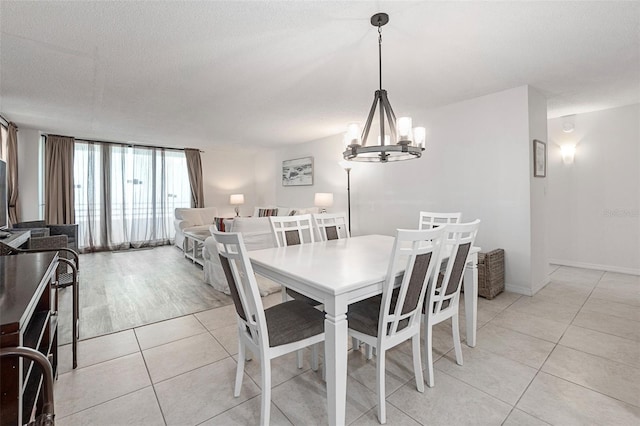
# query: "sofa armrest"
(180, 224)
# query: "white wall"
(477, 161)
(227, 172)
(538, 194)
(594, 205)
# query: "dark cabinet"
(28, 317)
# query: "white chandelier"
(407, 143)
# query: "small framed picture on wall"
(297, 172)
(539, 158)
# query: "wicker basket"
(491, 273)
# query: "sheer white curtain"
(126, 196)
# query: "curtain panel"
(12, 175)
(194, 165)
(126, 196)
(58, 172)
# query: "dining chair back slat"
(292, 230)
(429, 220)
(331, 226)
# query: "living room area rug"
(123, 290)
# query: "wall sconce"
(236, 200)
(323, 200)
(568, 153)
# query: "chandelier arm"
(367, 126)
(391, 117)
(382, 97)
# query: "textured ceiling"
(274, 72)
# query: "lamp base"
(237, 210)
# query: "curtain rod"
(131, 145)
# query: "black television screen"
(4, 204)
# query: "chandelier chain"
(380, 54)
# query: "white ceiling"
(200, 74)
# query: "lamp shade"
(235, 199)
(323, 199)
(345, 164)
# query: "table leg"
(471, 298)
(335, 328)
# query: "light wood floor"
(123, 290)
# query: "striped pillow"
(267, 212)
(219, 223)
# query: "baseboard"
(520, 289)
(608, 268)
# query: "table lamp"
(236, 200)
(322, 200)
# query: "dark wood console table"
(28, 316)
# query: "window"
(126, 196)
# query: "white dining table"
(338, 273)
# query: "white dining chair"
(331, 226)
(429, 220)
(443, 295)
(386, 321)
(291, 231)
(267, 333)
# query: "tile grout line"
(155, 393)
(553, 349)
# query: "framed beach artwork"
(297, 172)
(539, 158)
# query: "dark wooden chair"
(67, 273)
(47, 416)
(70, 230)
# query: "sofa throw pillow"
(267, 212)
(219, 223)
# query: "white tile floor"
(569, 355)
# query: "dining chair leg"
(240, 369)
(428, 342)
(299, 355)
(456, 338)
(380, 385)
(314, 357)
(265, 410)
(369, 350)
(355, 344)
(417, 362)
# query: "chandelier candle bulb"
(404, 129)
(353, 134)
(419, 136)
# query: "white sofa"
(192, 219)
(256, 233)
